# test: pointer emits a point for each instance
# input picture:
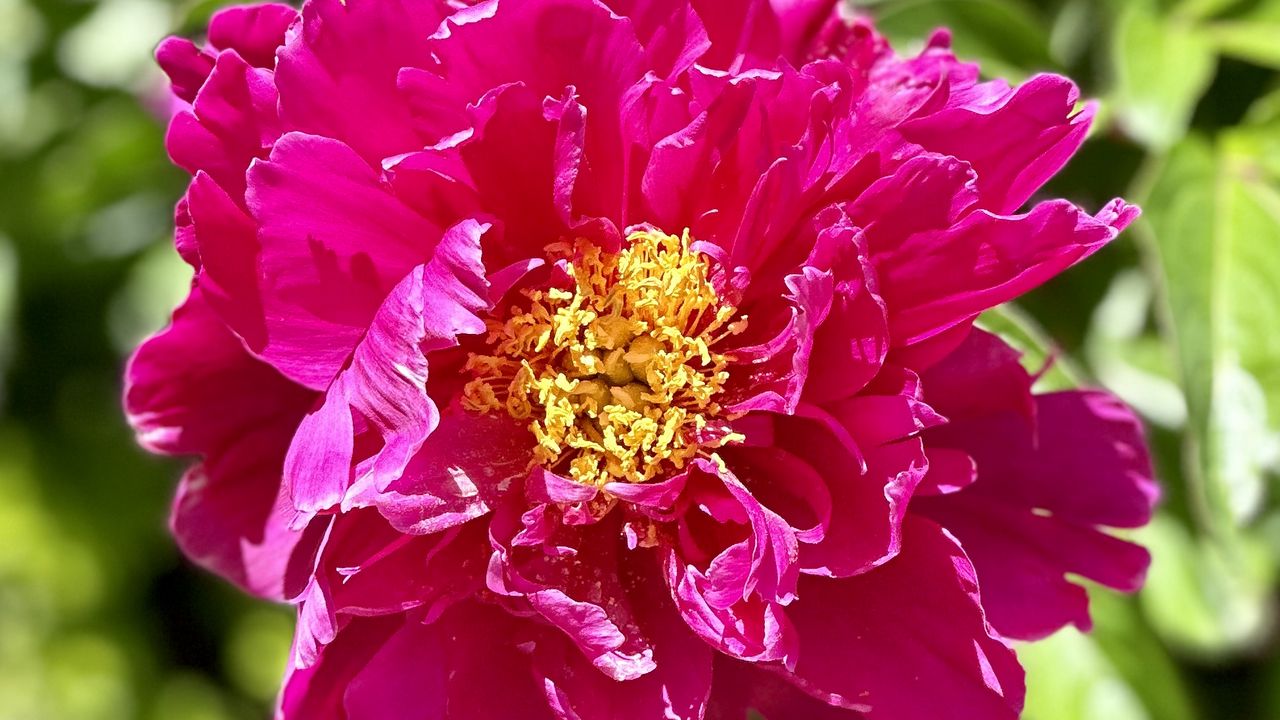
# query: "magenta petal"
(231, 517)
(573, 581)
(752, 630)
(799, 22)
(771, 375)
(660, 495)
(745, 691)
(253, 31)
(509, 158)
(774, 552)
(853, 341)
(337, 71)
(462, 470)
(907, 641)
(743, 36)
(193, 389)
(1052, 470)
(399, 667)
(868, 503)
(671, 32)
(386, 382)
(556, 48)
(548, 45)
(938, 279)
(225, 243)
(231, 122)
(981, 376)
(373, 569)
(186, 65)
(677, 688)
(1016, 144)
(787, 486)
(1033, 515)
(335, 241)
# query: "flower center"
(615, 370)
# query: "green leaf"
(1119, 671)
(1259, 137)
(1162, 67)
(1008, 37)
(1209, 599)
(1131, 360)
(1139, 656)
(8, 300)
(1069, 678)
(1201, 9)
(1215, 229)
(1253, 41)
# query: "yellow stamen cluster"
(615, 371)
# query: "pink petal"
(852, 342)
(337, 71)
(677, 688)
(907, 640)
(400, 667)
(255, 32)
(742, 36)
(193, 389)
(671, 32)
(938, 279)
(231, 122)
(742, 691)
(1015, 146)
(225, 244)
(386, 382)
(573, 581)
(462, 470)
(867, 504)
(1051, 471)
(335, 241)
(186, 65)
(1032, 516)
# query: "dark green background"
(100, 618)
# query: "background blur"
(100, 618)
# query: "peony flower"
(578, 359)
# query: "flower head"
(582, 359)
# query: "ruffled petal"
(335, 241)
(193, 389)
(732, 567)
(401, 667)
(385, 384)
(1045, 486)
(463, 469)
(231, 122)
(746, 691)
(907, 640)
(1016, 143)
(677, 688)
(869, 493)
(570, 576)
(937, 279)
(338, 68)
(255, 32)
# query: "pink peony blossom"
(595, 360)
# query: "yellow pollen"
(617, 375)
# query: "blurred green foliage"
(100, 618)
